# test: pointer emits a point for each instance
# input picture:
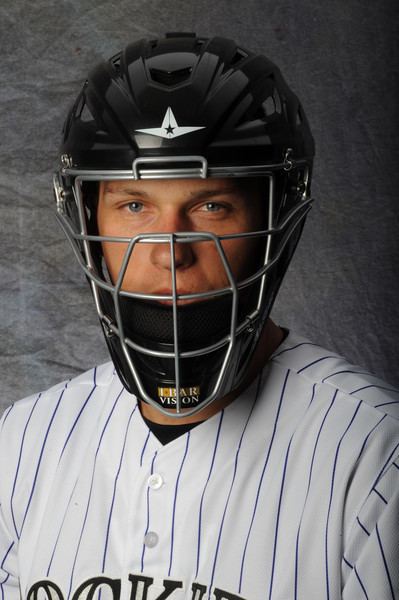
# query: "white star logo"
(169, 128)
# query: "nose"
(161, 253)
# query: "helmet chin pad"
(198, 323)
(150, 325)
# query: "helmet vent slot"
(269, 106)
(299, 119)
(199, 42)
(277, 102)
(272, 104)
(116, 62)
(86, 115)
(82, 111)
(170, 78)
(238, 57)
(235, 61)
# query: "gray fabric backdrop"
(339, 56)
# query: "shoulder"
(344, 421)
(45, 438)
(327, 370)
(337, 412)
(65, 396)
(49, 418)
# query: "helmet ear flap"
(90, 194)
(291, 188)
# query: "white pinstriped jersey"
(291, 492)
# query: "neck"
(271, 337)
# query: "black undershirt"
(168, 433)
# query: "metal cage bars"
(291, 221)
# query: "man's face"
(220, 206)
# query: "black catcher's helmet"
(185, 107)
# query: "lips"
(165, 292)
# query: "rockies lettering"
(140, 586)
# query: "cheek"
(244, 256)
(113, 255)
(137, 267)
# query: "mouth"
(180, 301)
(168, 292)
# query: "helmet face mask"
(180, 351)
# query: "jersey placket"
(151, 503)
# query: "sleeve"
(370, 567)
(9, 578)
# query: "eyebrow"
(201, 195)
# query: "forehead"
(178, 187)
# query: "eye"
(135, 207)
(212, 207)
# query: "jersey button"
(155, 481)
(151, 539)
